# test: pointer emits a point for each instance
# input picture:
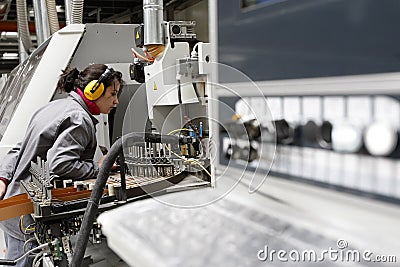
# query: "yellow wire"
(198, 163)
(189, 160)
(183, 158)
(21, 220)
(178, 130)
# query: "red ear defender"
(95, 88)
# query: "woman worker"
(63, 132)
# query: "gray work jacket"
(63, 132)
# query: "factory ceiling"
(94, 11)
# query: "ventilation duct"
(77, 11)
(52, 15)
(23, 29)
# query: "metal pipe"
(67, 11)
(52, 16)
(45, 20)
(23, 54)
(38, 22)
(153, 19)
(8, 36)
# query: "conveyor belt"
(136, 186)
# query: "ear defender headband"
(95, 88)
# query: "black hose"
(93, 204)
(98, 189)
(8, 262)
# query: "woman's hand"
(101, 160)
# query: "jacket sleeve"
(7, 164)
(64, 157)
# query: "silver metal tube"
(45, 20)
(67, 11)
(9, 36)
(153, 18)
(23, 54)
(38, 22)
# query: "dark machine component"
(249, 130)
(139, 36)
(326, 134)
(315, 135)
(253, 129)
(247, 153)
(136, 71)
(244, 135)
(182, 30)
(309, 132)
(284, 132)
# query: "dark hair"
(71, 79)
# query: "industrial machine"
(161, 126)
(177, 84)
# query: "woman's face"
(109, 99)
